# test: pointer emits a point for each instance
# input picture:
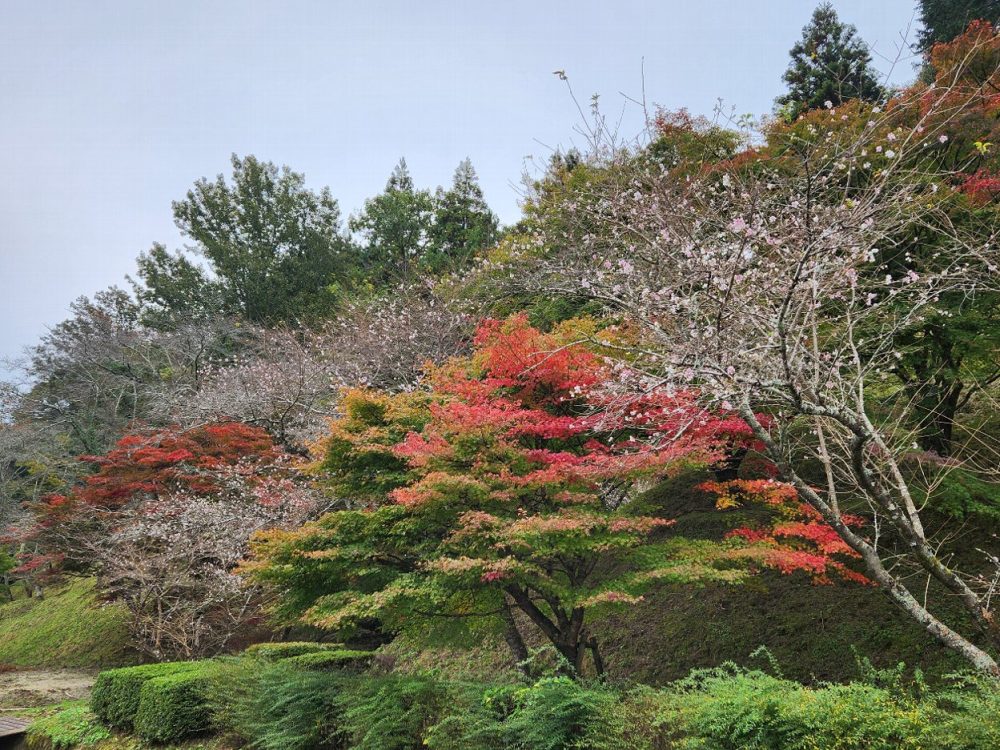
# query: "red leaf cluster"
(798, 539)
(171, 460)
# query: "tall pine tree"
(463, 222)
(395, 227)
(829, 64)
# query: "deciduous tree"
(275, 248)
(763, 281)
(506, 487)
(162, 524)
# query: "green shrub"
(175, 706)
(277, 707)
(965, 716)
(962, 495)
(115, 697)
(341, 659)
(727, 709)
(279, 651)
(557, 713)
(75, 726)
(553, 714)
(391, 712)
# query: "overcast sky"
(110, 110)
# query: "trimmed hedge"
(175, 706)
(115, 697)
(279, 651)
(322, 661)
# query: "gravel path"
(39, 687)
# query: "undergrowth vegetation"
(279, 705)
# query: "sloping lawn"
(68, 628)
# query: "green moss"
(68, 628)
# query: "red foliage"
(981, 187)
(170, 460)
(518, 356)
(147, 467)
(799, 539)
(976, 53)
(567, 416)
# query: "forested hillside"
(701, 452)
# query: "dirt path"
(42, 686)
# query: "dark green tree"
(943, 20)
(275, 249)
(830, 63)
(463, 222)
(395, 228)
(171, 287)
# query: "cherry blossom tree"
(288, 380)
(764, 281)
(163, 523)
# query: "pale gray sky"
(110, 110)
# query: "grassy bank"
(67, 628)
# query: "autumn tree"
(505, 488)
(829, 64)
(162, 524)
(101, 369)
(948, 357)
(288, 380)
(943, 20)
(776, 282)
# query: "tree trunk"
(729, 468)
(937, 425)
(514, 640)
(595, 652)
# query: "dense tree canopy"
(163, 523)
(406, 231)
(463, 224)
(724, 349)
(394, 227)
(275, 248)
(799, 277)
(943, 20)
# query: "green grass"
(72, 726)
(810, 630)
(814, 632)
(68, 628)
